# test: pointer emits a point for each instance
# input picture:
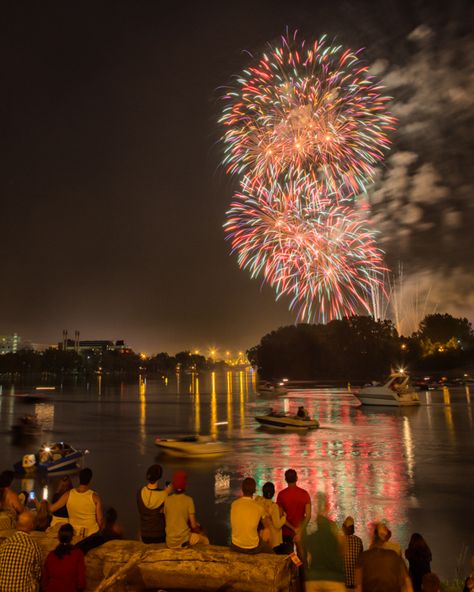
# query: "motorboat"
(192, 446)
(267, 388)
(396, 392)
(283, 420)
(51, 457)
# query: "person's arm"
(358, 579)
(302, 527)
(60, 503)
(193, 522)
(407, 586)
(15, 503)
(278, 518)
(99, 515)
(37, 562)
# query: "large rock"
(205, 568)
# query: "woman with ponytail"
(64, 569)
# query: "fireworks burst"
(325, 260)
(309, 110)
(305, 126)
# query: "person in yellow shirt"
(246, 515)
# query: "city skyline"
(113, 195)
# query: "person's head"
(348, 525)
(25, 521)
(111, 516)
(291, 477)
(179, 481)
(153, 474)
(65, 535)
(416, 542)
(268, 490)
(249, 486)
(65, 484)
(381, 534)
(85, 476)
(430, 583)
(6, 478)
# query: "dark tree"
(441, 328)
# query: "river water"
(412, 467)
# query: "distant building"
(9, 344)
(95, 345)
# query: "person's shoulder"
(303, 492)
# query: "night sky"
(112, 193)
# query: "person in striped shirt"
(353, 547)
(21, 558)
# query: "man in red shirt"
(296, 503)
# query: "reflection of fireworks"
(310, 109)
(324, 257)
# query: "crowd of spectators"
(330, 559)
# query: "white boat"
(267, 388)
(281, 420)
(192, 446)
(396, 392)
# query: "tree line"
(362, 348)
(116, 362)
(353, 348)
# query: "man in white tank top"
(83, 505)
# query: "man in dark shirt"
(381, 570)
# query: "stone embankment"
(209, 568)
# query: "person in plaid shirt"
(353, 547)
(20, 558)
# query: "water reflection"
(363, 462)
(197, 406)
(242, 401)
(229, 401)
(142, 395)
(372, 463)
(213, 405)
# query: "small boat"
(396, 392)
(27, 426)
(192, 446)
(282, 420)
(51, 457)
(267, 388)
